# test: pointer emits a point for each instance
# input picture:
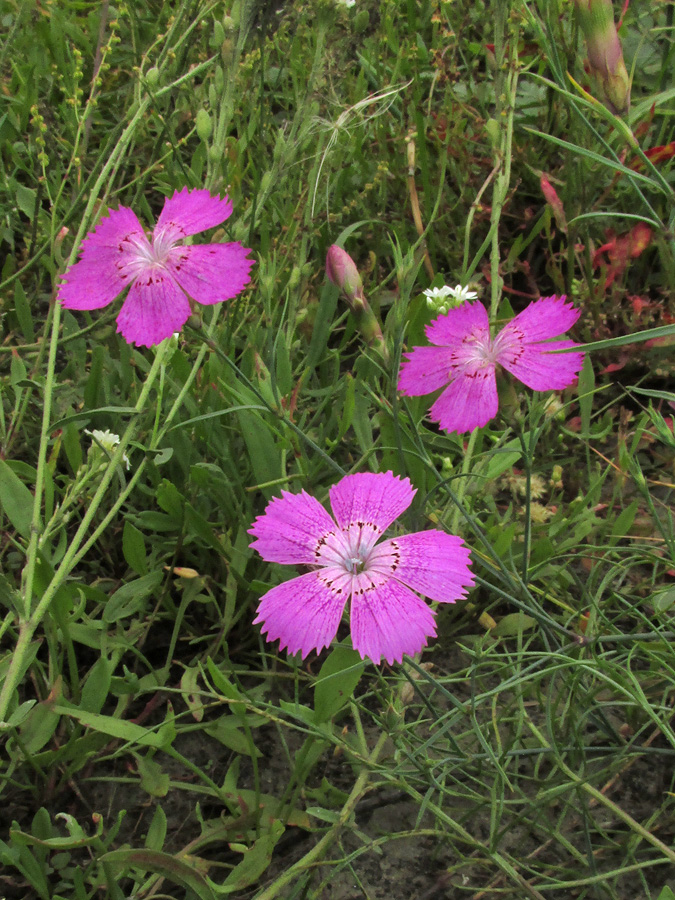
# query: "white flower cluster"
(108, 440)
(442, 299)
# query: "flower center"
(355, 564)
(485, 353)
(162, 243)
(357, 548)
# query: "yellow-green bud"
(204, 125)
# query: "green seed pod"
(218, 34)
(294, 280)
(152, 76)
(361, 21)
(227, 51)
(493, 131)
(219, 79)
(204, 125)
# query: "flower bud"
(341, 270)
(204, 125)
(554, 202)
(605, 56)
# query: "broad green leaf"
(16, 501)
(153, 779)
(173, 868)
(76, 835)
(513, 624)
(40, 723)
(226, 688)
(23, 312)
(229, 733)
(190, 692)
(133, 548)
(254, 862)
(336, 681)
(623, 522)
(97, 686)
(154, 840)
(129, 599)
(666, 894)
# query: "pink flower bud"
(554, 202)
(341, 270)
(605, 56)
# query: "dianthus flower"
(465, 357)
(386, 618)
(162, 274)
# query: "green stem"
(461, 487)
(505, 103)
(30, 620)
(316, 853)
(599, 797)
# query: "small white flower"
(108, 440)
(439, 293)
(442, 299)
(460, 294)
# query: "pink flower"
(161, 275)
(387, 618)
(465, 358)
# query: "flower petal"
(545, 318)
(189, 212)
(433, 563)
(388, 620)
(109, 259)
(466, 322)
(155, 307)
(304, 613)
(425, 369)
(523, 347)
(211, 273)
(370, 502)
(540, 369)
(469, 401)
(293, 530)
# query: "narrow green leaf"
(116, 728)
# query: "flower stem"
(505, 91)
(30, 618)
(316, 853)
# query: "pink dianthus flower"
(161, 274)
(465, 357)
(386, 618)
